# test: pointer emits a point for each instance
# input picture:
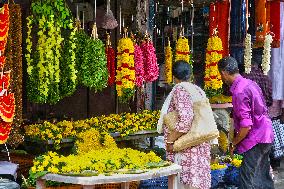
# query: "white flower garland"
(247, 54)
(266, 54)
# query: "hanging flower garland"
(13, 53)
(125, 73)
(110, 53)
(91, 63)
(139, 66)
(151, 67)
(68, 71)
(44, 52)
(4, 25)
(247, 54)
(182, 50)
(168, 64)
(213, 81)
(43, 70)
(266, 54)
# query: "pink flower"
(151, 67)
(139, 66)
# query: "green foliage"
(91, 62)
(48, 54)
(57, 8)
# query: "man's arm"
(241, 135)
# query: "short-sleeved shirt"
(250, 110)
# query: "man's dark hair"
(228, 64)
(182, 70)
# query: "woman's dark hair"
(228, 64)
(182, 70)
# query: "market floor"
(279, 177)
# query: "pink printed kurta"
(195, 161)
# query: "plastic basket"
(217, 177)
(232, 176)
(156, 183)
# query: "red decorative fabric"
(219, 16)
(223, 8)
(261, 21)
(275, 23)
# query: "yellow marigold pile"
(92, 139)
(212, 79)
(99, 161)
(168, 64)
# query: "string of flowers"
(182, 50)
(125, 73)
(266, 54)
(68, 71)
(139, 65)
(13, 53)
(151, 67)
(212, 79)
(168, 64)
(110, 53)
(247, 54)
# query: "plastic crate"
(232, 176)
(217, 177)
(156, 183)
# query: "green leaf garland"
(68, 69)
(91, 62)
(50, 60)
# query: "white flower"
(247, 54)
(266, 54)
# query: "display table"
(125, 179)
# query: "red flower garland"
(151, 66)
(110, 65)
(139, 66)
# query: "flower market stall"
(81, 101)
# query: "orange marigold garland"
(7, 100)
(125, 73)
(4, 26)
(213, 81)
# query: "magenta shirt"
(249, 109)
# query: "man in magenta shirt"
(253, 127)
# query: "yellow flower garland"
(168, 64)
(213, 81)
(182, 50)
(125, 74)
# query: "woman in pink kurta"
(195, 161)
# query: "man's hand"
(231, 150)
